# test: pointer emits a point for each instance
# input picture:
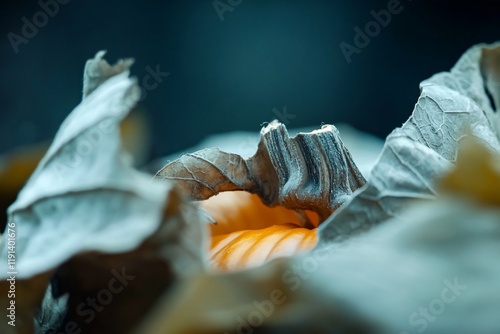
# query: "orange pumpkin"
(247, 233)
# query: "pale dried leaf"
(424, 148)
(83, 189)
(410, 264)
(98, 70)
(85, 212)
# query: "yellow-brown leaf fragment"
(477, 174)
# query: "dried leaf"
(17, 165)
(209, 304)
(425, 147)
(84, 169)
(437, 258)
(86, 212)
(51, 313)
(97, 71)
(312, 171)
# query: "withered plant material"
(252, 301)
(16, 166)
(97, 71)
(438, 258)
(85, 203)
(433, 269)
(86, 220)
(134, 279)
(311, 171)
(82, 184)
(430, 253)
(416, 155)
(51, 313)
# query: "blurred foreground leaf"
(101, 229)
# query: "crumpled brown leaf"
(311, 171)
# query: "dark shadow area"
(236, 73)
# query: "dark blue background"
(230, 75)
